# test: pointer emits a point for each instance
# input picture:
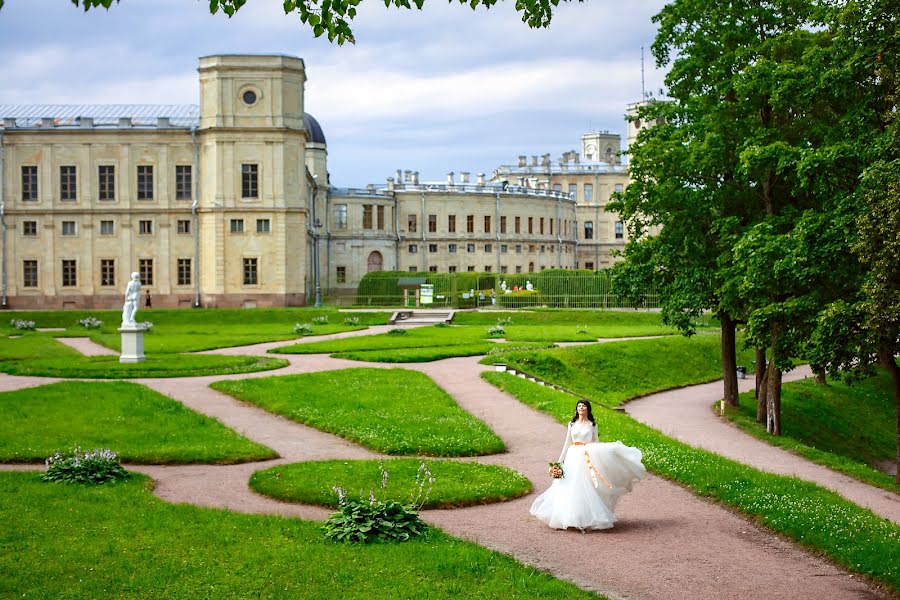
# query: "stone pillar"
(132, 344)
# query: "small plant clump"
(496, 331)
(397, 332)
(146, 326)
(22, 324)
(303, 329)
(91, 323)
(320, 320)
(365, 521)
(94, 467)
(504, 321)
(582, 330)
(351, 321)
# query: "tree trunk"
(762, 405)
(773, 387)
(887, 361)
(760, 370)
(820, 376)
(729, 359)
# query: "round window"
(249, 97)
(637, 123)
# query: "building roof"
(110, 115)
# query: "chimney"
(407, 176)
(415, 178)
(464, 177)
(370, 188)
(86, 122)
(124, 121)
(390, 184)
(450, 178)
(480, 179)
(47, 122)
(545, 160)
(533, 160)
(163, 122)
(523, 160)
(521, 182)
(9, 122)
(575, 157)
(399, 178)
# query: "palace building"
(228, 203)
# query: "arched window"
(609, 154)
(531, 267)
(376, 262)
(588, 230)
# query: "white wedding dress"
(595, 476)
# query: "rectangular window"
(29, 228)
(573, 190)
(413, 269)
(557, 187)
(551, 226)
(107, 272)
(251, 274)
(379, 213)
(504, 269)
(487, 223)
(183, 182)
(67, 189)
(619, 188)
(432, 223)
(518, 224)
(411, 223)
(106, 190)
(69, 273)
(518, 248)
(68, 227)
(488, 248)
(183, 267)
(487, 268)
(504, 248)
(237, 226)
(432, 248)
(451, 248)
(263, 226)
(518, 268)
(451, 223)
(249, 181)
(620, 230)
(589, 266)
(470, 223)
(183, 226)
(542, 225)
(470, 269)
(29, 183)
(530, 224)
(588, 192)
(107, 228)
(145, 182)
(451, 269)
(588, 230)
(470, 248)
(413, 248)
(432, 269)
(543, 248)
(339, 216)
(29, 273)
(145, 270)
(502, 224)
(145, 227)
(367, 216)
(340, 274)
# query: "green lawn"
(845, 428)
(413, 355)
(40, 355)
(141, 425)
(417, 337)
(544, 317)
(456, 483)
(119, 541)
(394, 411)
(804, 512)
(182, 330)
(615, 372)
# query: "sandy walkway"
(686, 414)
(86, 346)
(668, 543)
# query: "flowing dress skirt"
(596, 475)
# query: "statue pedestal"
(132, 344)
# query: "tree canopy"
(332, 17)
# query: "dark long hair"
(590, 414)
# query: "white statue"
(503, 285)
(528, 285)
(132, 300)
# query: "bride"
(595, 476)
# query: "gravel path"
(86, 346)
(666, 542)
(687, 415)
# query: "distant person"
(148, 301)
(493, 298)
(481, 298)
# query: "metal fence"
(550, 289)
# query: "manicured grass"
(808, 514)
(141, 425)
(614, 372)
(580, 333)
(119, 541)
(417, 337)
(456, 483)
(845, 428)
(40, 355)
(413, 355)
(184, 330)
(394, 411)
(603, 318)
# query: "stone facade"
(227, 203)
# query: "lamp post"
(317, 224)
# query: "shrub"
(397, 332)
(90, 323)
(320, 320)
(582, 330)
(21, 324)
(351, 321)
(506, 321)
(373, 520)
(146, 326)
(303, 328)
(94, 467)
(496, 331)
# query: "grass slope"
(394, 411)
(847, 428)
(413, 355)
(456, 483)
(119, 541)
(141, 425)
(418, 337)
(808, 514)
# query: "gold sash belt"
(593, 470)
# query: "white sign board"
(426, 293)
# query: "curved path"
(686, 414)
(667, 541)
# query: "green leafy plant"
(303, 328)
(91, 323)
(94, 467)
(22, 324)
(398, 332)
(351, 321)
(320, 320)
(496, 331)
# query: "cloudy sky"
(438, 90)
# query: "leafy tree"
(332, 17)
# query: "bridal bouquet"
(556, 470)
